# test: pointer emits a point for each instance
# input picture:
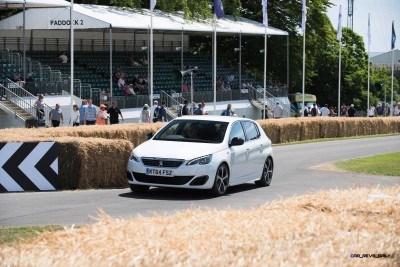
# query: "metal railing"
(258, 94)
(24, 99)
(172, 102)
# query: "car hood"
(177, 150)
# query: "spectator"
(90, 114)
(324, 111)
(154, 117)
(396, 111)
(128, 90)
(63, 58)
(227, 111)
(121, 80)
(185, 87)
(343, 110)
(162, 113)
(101, 115)
(266, 112)
(82, 111)
(75, 116)
(307, 111)
(380, 110)
(278, 111)
(145, 114)
(114, 112)
(198, 110)
(185, 109)
(314, 111)
(17, 80)
(371, 111)
(351, 111)
(56, 116)
(192, 108)
(39, 106)
(332, 112)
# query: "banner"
(152, 4)
(339, 30)
(219, 9)
(265, 12)
(304, 18)
(393, 36)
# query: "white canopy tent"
(96, 17)
(15, 4)
(107, 17)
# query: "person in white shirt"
(153, 107)
(325, 111)
(278, 111)
(75, 116)
(371, 111)
(63, 58)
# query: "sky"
(383, 12)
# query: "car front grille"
(170, 163)
(175, 180)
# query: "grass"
(319, 140)
(385, 164)
(24, 233)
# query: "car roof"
(212, 118)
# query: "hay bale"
(321, 229)
(89, 162)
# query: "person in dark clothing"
(351, 112)
(185, 109)
(114, 111)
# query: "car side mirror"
(236, 141)
(149, 135)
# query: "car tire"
(137, 188)
(266, 176)
(221, 181)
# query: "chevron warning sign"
(28, 166)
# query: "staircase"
(17, 101)
(259, 104)
(172, 102)
(256, 97)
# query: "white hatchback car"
(203, 152)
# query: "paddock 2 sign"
(63, 22)
(28, 166)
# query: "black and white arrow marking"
(28, 166)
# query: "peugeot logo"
(160, 163)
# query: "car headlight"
(134, 157)
(201, 160)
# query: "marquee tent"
(96, 17)
(14, 4)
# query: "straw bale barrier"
(86, 163)
(328, 228)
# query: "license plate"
(159, 172)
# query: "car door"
(255, 149)
(238, 155)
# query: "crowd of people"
(85, 114)
(134, 87)
(88, 114)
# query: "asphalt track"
(293, 175)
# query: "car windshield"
(193, 131)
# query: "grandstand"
(93, 52)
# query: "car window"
(236, 131)
(251, 130)
(193, 131)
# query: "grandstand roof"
(12, 4)
(96, 16)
